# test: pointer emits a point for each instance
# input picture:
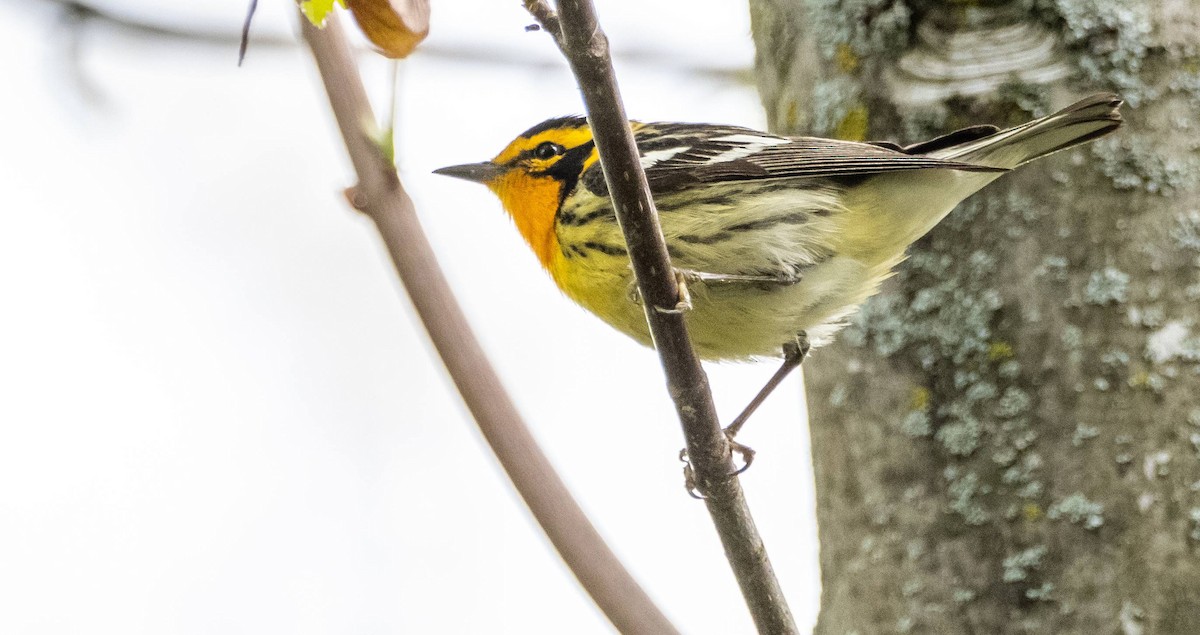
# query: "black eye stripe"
(568, 168)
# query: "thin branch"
(380, 195)
(246, 31)
(133, 23)
(546, 17)
(586, 49)
(461, 52)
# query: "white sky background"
(218, 413)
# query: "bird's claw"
(633, 293)
(689, 476)
(690, 482)
(685, 296)
(746, 451)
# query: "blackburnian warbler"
(777, 238)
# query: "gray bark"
(1007, 439)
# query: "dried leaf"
(395, 26)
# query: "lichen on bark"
(1025, 386)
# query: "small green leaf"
(317, 10)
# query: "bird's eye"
(548, 150)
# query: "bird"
(777, 240)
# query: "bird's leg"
(685, 276)
(793, 356)
(736, 278)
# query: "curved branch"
(586, 48)
(380, 195)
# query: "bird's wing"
(680, 156)
(951, 139)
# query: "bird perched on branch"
(775, 239)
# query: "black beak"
(477, 172)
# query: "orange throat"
(532, 202)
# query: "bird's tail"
(1082, 121)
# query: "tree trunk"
(1006, 439)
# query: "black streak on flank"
(706, 240)
(572, 250)
(605, 249)
(763, 223)
(571, 220)
(674, 204)
(722, 201)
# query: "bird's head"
(534, 173)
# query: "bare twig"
(246, 31)
(546, 17)
(380, 195)
(586, 49)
